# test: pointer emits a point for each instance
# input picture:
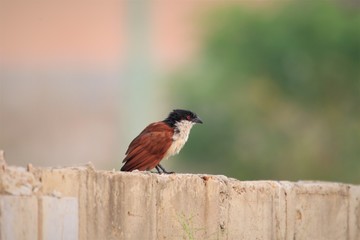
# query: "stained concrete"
(142, 205)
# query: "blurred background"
(277, 83)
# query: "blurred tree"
(279, 91)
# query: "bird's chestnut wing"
(148, 148)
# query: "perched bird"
(159, 141)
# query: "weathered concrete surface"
(117, 205)
(18, 217)
(354, 213)
(38, 218)
(58, 218)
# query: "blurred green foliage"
(278, 89)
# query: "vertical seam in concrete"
(157, 203)
(206, 207)
(154, 201)
(348, 213)
(40, 218)
(86, 205)
(286, 212)
(279, 214)
(228, 207)
(283, 188)
(79, 195)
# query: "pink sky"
(92, 32)
(57, 31)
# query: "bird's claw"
(161, 170)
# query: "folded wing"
(149, 148)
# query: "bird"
(159, 141)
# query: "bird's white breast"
(181, 135)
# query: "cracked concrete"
(138, 205)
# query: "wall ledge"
(143, 205)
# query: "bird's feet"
(162, 170)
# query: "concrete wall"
(82, 203)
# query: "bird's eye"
(188, 117)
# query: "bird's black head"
(178, 115)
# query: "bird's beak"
(197, 120)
